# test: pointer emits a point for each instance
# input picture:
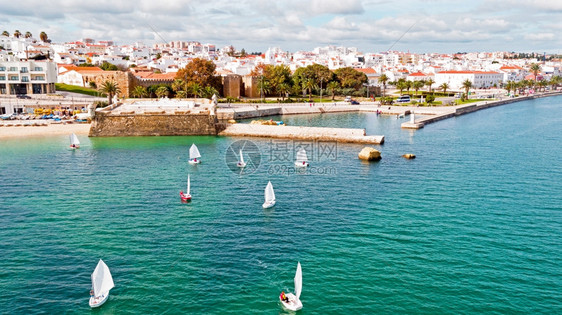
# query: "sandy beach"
(16, 129)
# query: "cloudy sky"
(370, 25)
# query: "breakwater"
(469, 108)
(352, 135)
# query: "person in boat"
(91, 292)
(195, 160)
(284, 298)
(181, 193)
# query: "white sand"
(9, 130)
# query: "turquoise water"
(472, 225)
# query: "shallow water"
(472, 225)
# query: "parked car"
(23, 96)
(354, 102)
(347, 99)
(404, 99)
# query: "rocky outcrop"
(409, 156)
(369, 154)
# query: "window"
(2, 68)
(14, 78)
(38, 78)
(13, 68)
(24, 79)
(2, 77)
(38, 69)
(23, 70)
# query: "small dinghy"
(302, 159)
(102, 282)
(269, 196)
(292, 301)
(74, 142)
(194, 155)
(241, 163)
(187, 196)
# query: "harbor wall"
(105, 125)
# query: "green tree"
(17, 34)
(106, 66)
(401, 85)
(444, 87)
(417, 85)
(409, 85)
(264, 86)
(300, 76)
(93, 85)
(209, 91)
(162, 92)
(467, 84)
(535, 69)
(383, 79)
(28, 34)
(283, 89)
(350, 78)
(322, 75)
(139, 92)
(196, 89)
(309, 84)
(179, 85)
(333, 86)
(110, 88)
(555, 81)
(429, 82)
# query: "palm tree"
(264, 86)
(161, 92)
(209, 91)
(382, 79)
(110, 88)
(467, 84)
(418, 85)
(444, 86)
(554, 81)
(543, 84)
(401, 85)
(196, 89)
(408, 85)
(334, 85)
(43, 37)
(28, 34)
(309, 84)
(283, 88)
(139, 91)
(5, 33)
(178, 85)
(535, 69)
(429, 82)
(17, 34)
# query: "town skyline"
(371, 26)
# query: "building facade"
(27, 77)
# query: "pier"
(351, 135)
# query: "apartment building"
(27, 77)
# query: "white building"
(27, 77)
(479, 79)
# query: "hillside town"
(31, 66)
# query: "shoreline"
(9, 130)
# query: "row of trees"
(540, 85)
(278, 80)
(17, 34)
(403, 84)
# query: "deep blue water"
(472, 225)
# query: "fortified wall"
(112, 125)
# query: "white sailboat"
(302, 159)
(194, 155)
(74, 142)
(292, 301)
(102, 282)
(241, 163)
(269, 196)
(187, 196)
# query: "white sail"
(194, 152)
(241, 157)
(188, 186)
(301, 156)
(74, 140)
(298, 281)
(269, 193)
(102, 281)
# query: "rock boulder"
(369, 154)
(409, 156)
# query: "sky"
(255, 25)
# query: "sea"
(472, 225)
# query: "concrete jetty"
(446, 112)
(301, 133)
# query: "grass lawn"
(459, 102)
(77, 89)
